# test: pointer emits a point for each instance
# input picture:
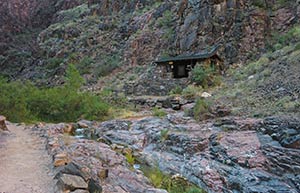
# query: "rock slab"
(71, 182)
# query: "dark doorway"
(180, 71)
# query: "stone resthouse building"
(168, 73)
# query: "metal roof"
(203, 55)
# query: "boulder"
(71, 182)
(3, 126)
(61, 159)
(80, 191)
(69, 128)
(94, 186)
(285, 130)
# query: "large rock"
(80, 191)
(61, 159)
(285, 130)
(3, 126)
(71, 182)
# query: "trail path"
(24, 163)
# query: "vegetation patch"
(266, 87)
(130, 158)
(24, 102)
(279, 41)
(173, 184)
(164, 134)
(259, 3)
(205, 76)
(192, 91)
(202, 109)
(159, 112)
(176, 91)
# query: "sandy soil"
(24, 163)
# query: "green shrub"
(297, 47)
(259, 3)
(166, 20)
(53, 63)
(13, 100)
(176, 91)
(130, 158)
(254, 67)
(26, 103)
(278, 41)
(116, 99)
(168, 34)
(155, 175)
(203, 76)
(74, 13)
(108, 64)
(73, 78)
(202, 109)
(192, 91)
(85, 64)
(164, 134)
(159, 112)
(173, 184)
(194, 190)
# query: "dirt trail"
(24, 163)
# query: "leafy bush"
(166, 20)
(202, 109)
(25, 102)
(194, 190)
(259, 3)
(13, 100)
(130, 158)
(164, 134)
(107, 65)
(53, 63)
(116, 99)
(155, 175)
(297, 47)
(85, 64)
(278, 41)
(172, 184)
(192, 91)
(74, 13)
(204, 76)
(176, 91)
(73, 78)
(159, 112)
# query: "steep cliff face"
(21, 22)
(242, 26)
(18, 15)
(100, 36)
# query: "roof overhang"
(200, 56)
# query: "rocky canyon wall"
(140, 31)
